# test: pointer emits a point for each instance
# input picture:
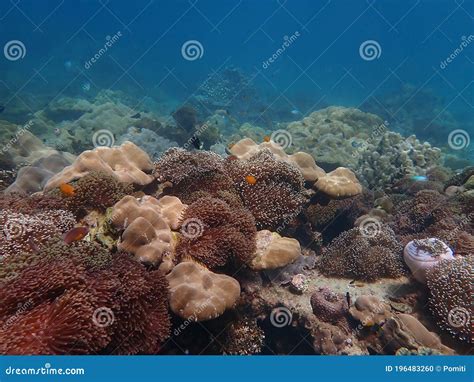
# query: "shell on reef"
(421, 255)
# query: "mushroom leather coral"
(128, 163)
(147, 225)
(338, 184)
(198, 294)
(215, 234)
(246, 148)
(274, 251)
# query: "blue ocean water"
(420, 54)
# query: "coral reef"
(216, 235)
(198, 294)
(364, 256)
(449, 283)
(326, 135)
(128, 163)
(370, 311)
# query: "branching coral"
(271, 189)
(450, 285)
(365, 256)
(216, 234)
(60, 305)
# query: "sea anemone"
(215, 234)
(364, 255)
(276, 196)
(450, 300)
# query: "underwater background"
(236, 176)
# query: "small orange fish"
(266, 138)
(67, 189)
(250, 179)
(232, 157)
(75, 234)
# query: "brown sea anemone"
(271, 189)
(215, 234)
(364, 255)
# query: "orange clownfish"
(66, 189)
(250, 179)
(75, 234)
(266, 138)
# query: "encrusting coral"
(354, 254)
(369, 310)
(450, 299)
(198, 294)
(215, 234)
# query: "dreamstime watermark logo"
(192, 50)
(465, 41)
(103, 138)
(22, 307)
(281, 316)
(287, 42)
(195, 138)
(192, 228)
(282, 137)
(17, 136)
(109, 43)
(103, 317)
(14, 50)
(370, 50)
(370, 227)
(360, 147)
(459, 139)
(458, 317)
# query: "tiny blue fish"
(419, 178)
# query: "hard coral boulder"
(198, 294)
(369, 310)
(128, 163)
(405, 331)
(329, 306)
